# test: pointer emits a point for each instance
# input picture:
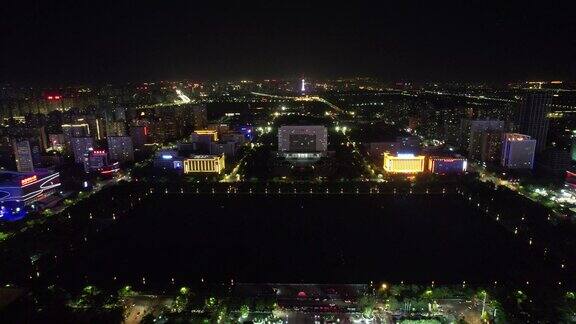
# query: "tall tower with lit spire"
(303, 86)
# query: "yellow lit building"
(403, 163)
(204, 164)
(208, 132)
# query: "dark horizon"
(73, 43)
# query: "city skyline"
(287, 162)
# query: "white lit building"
(518, 151)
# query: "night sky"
(51, 42)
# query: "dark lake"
(303, 238)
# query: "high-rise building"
(518, 151)
(139, 136)
(472, 130)
(97, 125)
(120, 148)
(491, 146)
(532, 117)
(119, 113)
(38, 134)
(165, 127)
(27, 154)
(115, 128)
(555, 161)
(80, 146)
(302, 139)
(79, 129)
(7, 157)
(200, 116)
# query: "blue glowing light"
(12, 213)
(167, 157)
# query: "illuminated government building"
(403, 163)
(204, 164)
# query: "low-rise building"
(204, 164)
(403, 163)
(95, 160)
(447, 165)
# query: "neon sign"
(28, 180)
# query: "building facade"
(312, 138)
(204, 164)
(27, 154)
(120, 148)
(403, 163)
(200, 116)
(139, 136)
(518, 151)
(532, 117)
(95, 160)
(491, 146)
(228, 148)
(447, 165)
(473, 131)
(81, 146)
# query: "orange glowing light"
(28, 180)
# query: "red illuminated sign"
(28, 180)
